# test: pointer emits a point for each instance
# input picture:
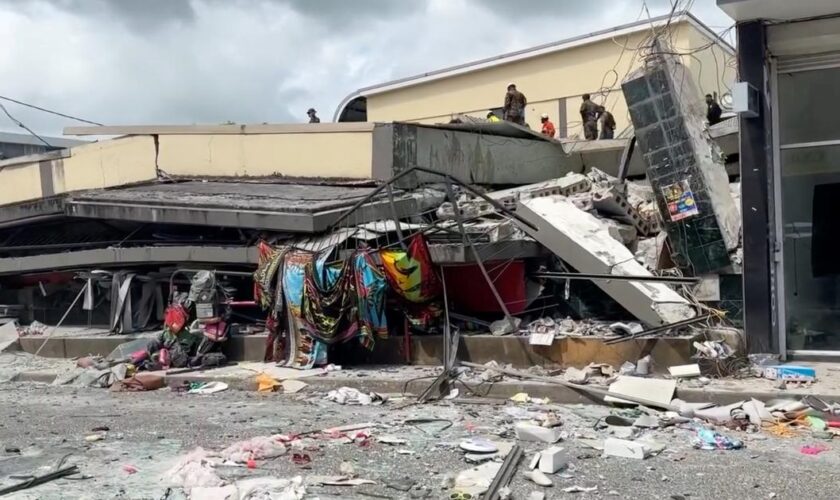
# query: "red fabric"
(175, 318)
(468, 290)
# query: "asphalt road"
(149, 431)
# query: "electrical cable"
(45, 110)
(21, 125)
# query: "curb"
(499, 390)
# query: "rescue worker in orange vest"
(548, 129)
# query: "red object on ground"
(468, 290)
(251, 463)
(130, 469)
(813, 449)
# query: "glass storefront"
(809, 160)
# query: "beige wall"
(127, 160)
(19, 183)
(116, 162)
(544, 79)
(333, 154)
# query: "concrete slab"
(473, 157)
(582, 241)
(104, 257)
(284, 207)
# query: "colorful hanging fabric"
(370, 288)
(328, 308)
(304, 351)
(268, 292)
(265, 277)
(411, 273)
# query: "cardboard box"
(790, 372)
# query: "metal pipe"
(369, 197)
(657, 329)
(616, 277)
(66, 313)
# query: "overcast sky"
(254, 61)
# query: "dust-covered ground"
(148, 432)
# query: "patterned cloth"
(411, 273)
(346, 301)
(370, 290)
(328, 309)
(304, 351)
(270, 260)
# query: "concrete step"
(423, 350)
(411, 381)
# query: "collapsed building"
(371, 242)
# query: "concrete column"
(757, 204)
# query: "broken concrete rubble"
(582, 242)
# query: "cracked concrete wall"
(477, 158)
(111, 163)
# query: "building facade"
(14, 145)
(553, 77)
(789, 66)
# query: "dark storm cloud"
(253, 61)
(137, 15)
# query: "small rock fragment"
(539, 478)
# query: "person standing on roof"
(548, 129)
(515, 102)
(607, 125)
(589, 114)
(492, 118)
(713, 110)
(313, 116)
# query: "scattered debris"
(208, 388)
(293, 386)
(707, 439)
(538, 478)
(614, 447)
(478, 445)
(790, 373)
(531, 432)
(266, 383)
(552, 460)
(658, 390)
(813, 449)
(580, 489)
(351, 396)
(684, 371)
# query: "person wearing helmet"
(492, 118)
(514, 108)
(548, 129)
(313, 117)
